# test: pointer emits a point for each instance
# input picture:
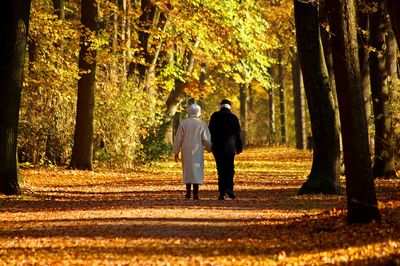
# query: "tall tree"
(298, 103)
(14, 26)
(381, 92)
(361, 199)
(324, 175)
(82, 151)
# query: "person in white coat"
(191, 137)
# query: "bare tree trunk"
(59, 8)
(152, 19)
(14, 25)
(393, 7)
(362, 204)
(53, 151)
(122, 21)
(381, 95)
(271, 109)
(325, 170)
(326, 44)
(243, 111)
(82, 151)
(282, 107)
(363, 53)
(299, 104)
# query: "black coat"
(225, 132)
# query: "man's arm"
(238, 136)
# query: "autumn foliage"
(140, 217)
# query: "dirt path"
(142, 218)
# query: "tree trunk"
(59, 8)
(324, 175)
(282, 107)
(362, 204)
(82, 151)
(363, 53)
(381, 94)
(123, 20)
(298, 103)
(271, 108)
(391, 65)
(243, 111)
(152, 19)
(251, 99)
(14, 25)
(393, 7)
(52, 151)
(326, 44)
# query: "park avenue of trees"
(106, 82)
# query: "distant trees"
(150, 57)
(14, 26)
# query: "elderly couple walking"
(222, 137)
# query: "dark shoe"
(221, 197)
(195, 196)
(230, 194)
(188, 186)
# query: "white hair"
(226, 105)
(194, 110)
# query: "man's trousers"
(226, 170)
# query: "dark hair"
(226, 101)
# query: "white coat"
(191, 138)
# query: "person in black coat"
(226, 143)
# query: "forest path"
(141, 218)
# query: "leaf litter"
(140, 217)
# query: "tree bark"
(393, 7)
(380, 65)
(82, 151)
(271, 108)
(362, 204)
(14, 26)
(282, 106)
(243, 111)
(325, 170)
(363, 53)
(298, 103)
(326, 44)
(59, 8)
(391, 65)
(151, 19)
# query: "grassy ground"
(141, 218)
